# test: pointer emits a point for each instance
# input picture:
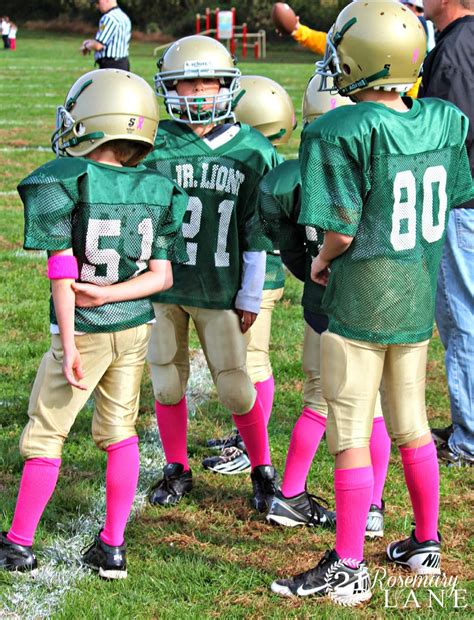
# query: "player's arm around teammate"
(79, 208)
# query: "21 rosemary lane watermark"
(419, 591)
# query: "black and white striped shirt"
(115, 31)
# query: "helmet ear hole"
(346, 69)
(79, 129)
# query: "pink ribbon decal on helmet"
(141, 120)
(333, 103)
(415, 55)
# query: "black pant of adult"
(113, 63)
(6, 41)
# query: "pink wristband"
(62, 266)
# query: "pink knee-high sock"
(253, 430)
(379, 455)
(422, 477)
(38, 482)
(173, 426)
(304, 442)
(121, 479)
(353, 489)
(265, 390)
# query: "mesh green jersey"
(280, 204)
(115, 219)
(221, 220)
(388, 179)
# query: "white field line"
(39, 596)
(14, 149)
(12, 192)
(23, 123)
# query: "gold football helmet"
(105, 105)
(195, 57)
(265, 105)
(373, 44)
(317, 102)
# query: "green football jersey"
(115, 219)
(388, 179)
(280, 205)
(221, 221)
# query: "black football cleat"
(110, 562)
(265, 485)
(330, 577)
(302, 509)
(15, 557)
(169, 490)
(422, 558)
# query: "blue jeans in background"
(455, 321)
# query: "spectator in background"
(12, 36)
(416, 6)
(448, 73)
(6, 32)
(111, 42)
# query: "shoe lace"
(231, 453)
(85, 550)
(316, 569)
(166, 484)
(232, 440)
(318, 506)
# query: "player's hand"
(247, 319)
(72, 369)
(85, 49)
(89, 295)
(320, 270)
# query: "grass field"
(211, 556)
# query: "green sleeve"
(48, 207)
(334, 186)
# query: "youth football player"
(113, 226)
(266, 106)
(220, 164)
(280, 207)
(379, 181)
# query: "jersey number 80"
(404, 211)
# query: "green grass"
(210, 556)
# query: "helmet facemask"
(192, 58)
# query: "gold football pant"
(351, 373)
(113, 365)
(312, 392)
(223, 344)
(258, 348)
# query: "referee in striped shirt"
(111, 42)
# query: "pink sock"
(253, 430)
(36, 487)
(353, 489)
(265, 390)
(121, 479)
(422, 477)
(379, 455)
(173, 426)
(304, 442)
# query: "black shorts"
(113, 63)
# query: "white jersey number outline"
(108, 256)
(405, 211)
(192, 228)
